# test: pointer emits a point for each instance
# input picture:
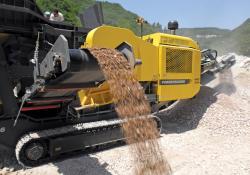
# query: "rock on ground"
(205, 135)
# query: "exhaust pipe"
(173, 26)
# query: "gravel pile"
(208, 134)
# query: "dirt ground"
(205, 135)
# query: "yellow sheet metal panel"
(166, 39)
(112, 37)
(153, 38)
(94, 97)
(179, 71)
(149, 69)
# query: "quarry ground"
(209, 134)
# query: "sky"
(227, 14)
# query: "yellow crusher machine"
(168, 65)
(54, 101)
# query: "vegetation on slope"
(114, 13)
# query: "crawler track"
(40, 147)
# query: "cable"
(28, 93)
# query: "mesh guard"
(178, 61)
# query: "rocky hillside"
(238, 40)
(205, 36)
(225, 41)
